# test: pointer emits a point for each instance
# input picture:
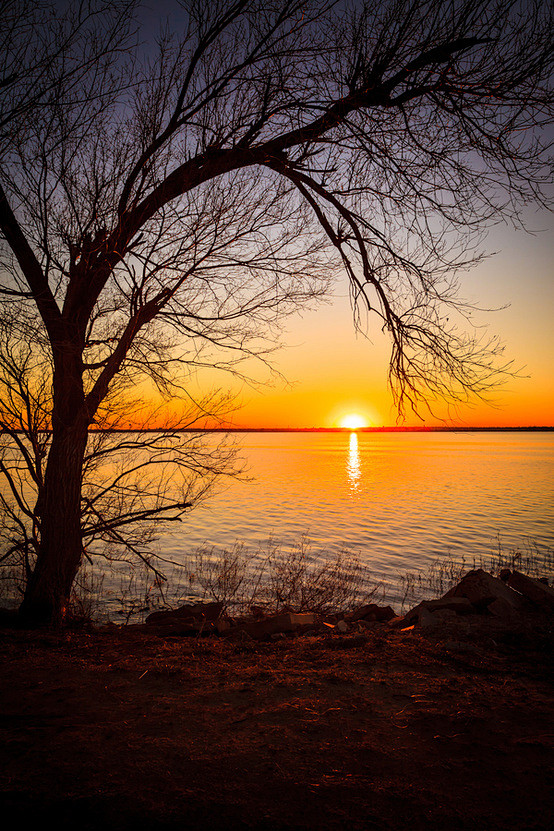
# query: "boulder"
(446, 616)
(174, 628)
(535, 590)
(371, 612)
(456, 605)
(284, 622)
(483, 591)
(500, 608)
(194, 613)
(426, 619)
(397, 622)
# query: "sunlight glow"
(353, 421)
(354, 467)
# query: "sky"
(325, 371)
(329, 371)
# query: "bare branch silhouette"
(164, 203)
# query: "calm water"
(399, 500)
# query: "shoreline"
(347, 430)
(449, 726)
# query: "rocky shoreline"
(478, 600)
(439, 718)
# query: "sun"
(353, 421)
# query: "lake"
(400, 500)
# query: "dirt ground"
(382, 730)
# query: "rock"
(367, 625)
(456, 605)
(172, 628)
(426, 619)
(534, 590)
(397, 622)
(483, 590)
(372, 611)
(384, 613)
(196, 612)
(429, 619)
(446, 616)
(285, 622)
(500, 608)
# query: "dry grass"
(273, 577)
(440, 575)
(277, 577)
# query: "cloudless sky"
(330, 371)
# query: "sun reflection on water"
(354, 468)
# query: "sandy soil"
(382, 730)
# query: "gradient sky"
(330, 371)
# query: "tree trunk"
(60, 551)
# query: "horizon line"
(390, 429)
(384, 429)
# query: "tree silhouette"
(163, 204)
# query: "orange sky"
(331, 371)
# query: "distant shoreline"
(336, 430)
(313, 430)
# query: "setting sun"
(353, 421)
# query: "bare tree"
(133, 482)
(164, 204)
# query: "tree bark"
(61, 546)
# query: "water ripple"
(397, 499)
